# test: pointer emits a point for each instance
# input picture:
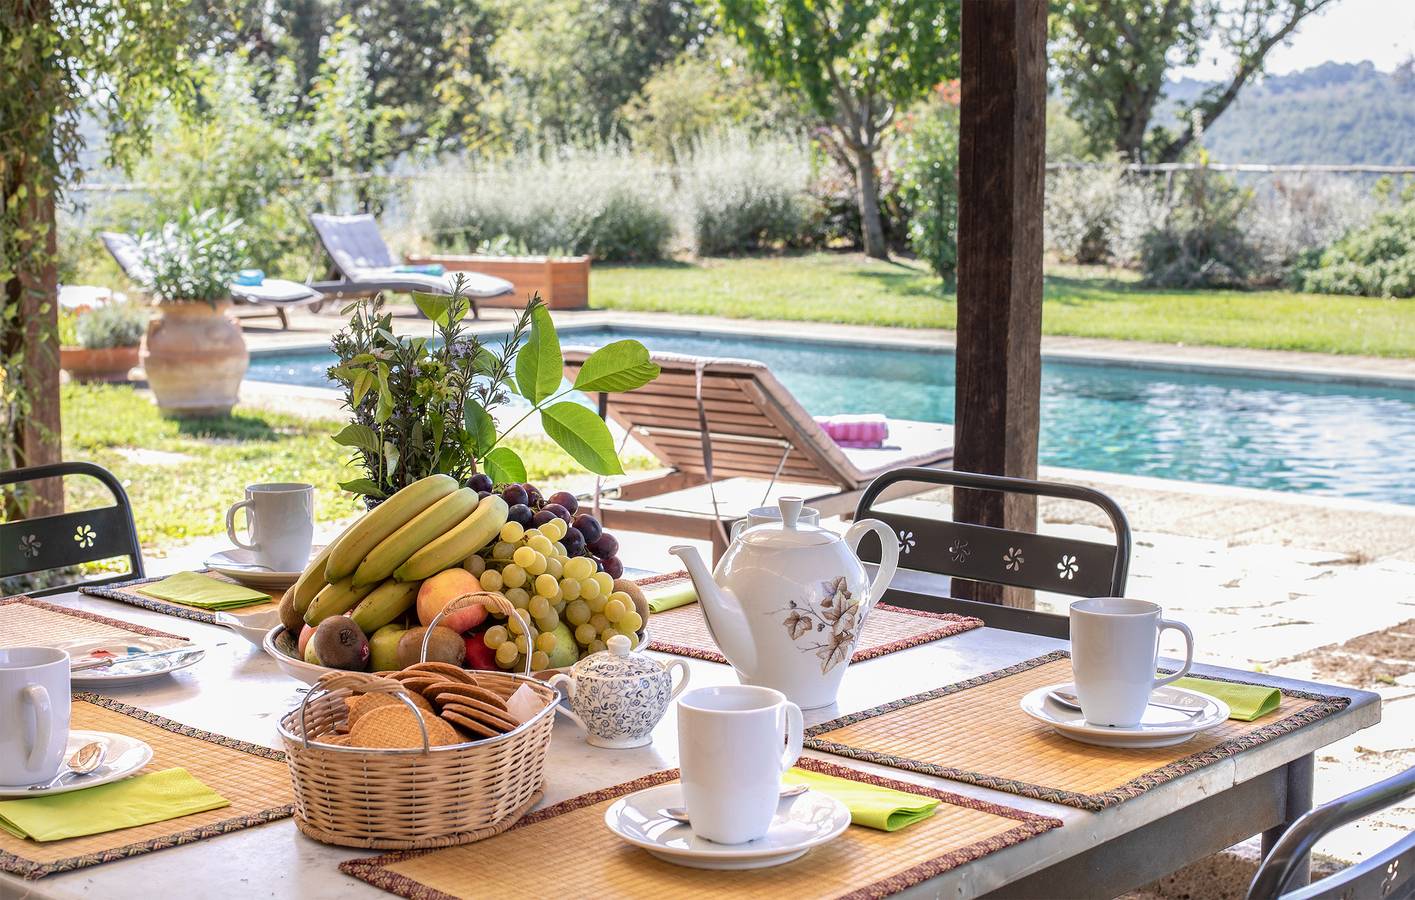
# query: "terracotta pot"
(195, 358)
(106, 364)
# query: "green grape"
(512, 532)
(608, 633)
(569, 588)
(596, 603)
(577, 612)
(545, 642)
(538, 607)
(614, 609)
(475, 564)
(584, 633)
(555, 567)
(540, 660)
(490, 580)
(495, 636)
(606, 584)
(631, 621)
(503, 550)
(559, 606)
(579, 568)
(523, 643)
(513, 576)
(547, 586)
(548, 623)
(538, 565)
(515, 625)
(600, 621)
(554, 529)
(595, 646)
(506, 655)
(589, 589)
(541, 544)
(524, 557)
(519, 597)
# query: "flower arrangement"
(192, 258)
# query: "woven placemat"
(683, 632)
(127, 592)
(975, 731)
(27, 621)
(255, 779)
(565, 850)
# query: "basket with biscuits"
(429, 756)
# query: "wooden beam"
(1001, 164)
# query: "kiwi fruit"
(446, 646)
(291, 619)
(339, 644)
(636, 593)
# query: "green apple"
(310, 656)
(566, 650)
(383, 647)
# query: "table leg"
(1299, 774)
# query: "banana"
(387, 602)
(311, 580)
(335, 600)
(475, 532)
(395, 549)
(383, 520)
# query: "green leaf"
(391, 456)
(385, 396)
(539, 366)
(503, 466)
(362, 486)
(363, 380)
(583, 435)
(435, 306)
(620, 366)
(480, 426)
(360, 437)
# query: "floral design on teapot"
(834, 616)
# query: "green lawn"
(848, 288)
(182, 475)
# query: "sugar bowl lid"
(618, 661)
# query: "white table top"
(236, 690)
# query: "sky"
(1382, 31)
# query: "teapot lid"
(790, 533)
(618, 661)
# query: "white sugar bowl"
(618, 696)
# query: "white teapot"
(787, 601)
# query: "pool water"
(1273, 433)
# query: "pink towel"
(868, 431)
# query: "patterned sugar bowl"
(618, 696)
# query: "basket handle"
(362, 683)
(494, 602)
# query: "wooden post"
(1002, 140)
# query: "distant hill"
(1332, 113)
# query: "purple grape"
(482, 495)
(589, 527)
(567, 500)
(515, 494)
(532, 492)
(542, 516)
(520, 514)
(481, 483)
(606, 546)
(574, 542)
(612, 566)
(558, 510)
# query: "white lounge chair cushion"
(475, 284)
(274, 290)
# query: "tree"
(857, 62)
(1113, 57)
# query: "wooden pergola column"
(1002, 142)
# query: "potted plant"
(102, 343)
(194, 353)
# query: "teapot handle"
(683, 673)
(569, 693)
(889, 554)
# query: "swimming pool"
(1274, 433)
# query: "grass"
(1078, 301)
(181, 475)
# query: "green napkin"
(1246, 702)
(139, 800)
(870, 805)
(203, 592)
(671, 597)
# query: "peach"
(444, 587)
(305, 634)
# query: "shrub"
(1292, 220)
(1202, 242)
(1377, 260)
(1100, 215)
(928, 184)
(192, 257)
(738, 193)
(111, 325)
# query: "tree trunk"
(867, 184)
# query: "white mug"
(734, 743)
(34, 713)
(280, 520)
(760, 515)
(1114, 651)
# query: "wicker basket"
(411, 799)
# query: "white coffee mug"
(760, 515)
(34, 713)
(734, 743)
(1114, 651)
(280, 520)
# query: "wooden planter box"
(109, 364)
(563, 281)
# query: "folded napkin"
(869, 804)
(1246, 702)
(203, 592)
(426, 269)
(140, 800)
(671, 596)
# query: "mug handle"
(231, 524)
(683, 670)
(795, 728)
(554, 683)
(1188, 651)
(737, 527)
(888, 558)
(38, 698)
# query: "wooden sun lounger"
(759, 444)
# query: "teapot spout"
(722, 611)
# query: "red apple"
(479, 655)
(305, 634)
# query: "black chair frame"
(68, 539)
(997, 555)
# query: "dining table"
(238, 691)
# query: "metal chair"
(69, 539)
(1388, 875)
(930, 548)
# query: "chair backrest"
(69, 539)
(1388, 875)
(353, 242)
(932, 550)
(124, 248)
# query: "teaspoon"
(84, 761)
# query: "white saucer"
(240, 565)
(120, 673)
(801, 823)
(122, 757)
(253, 626)
(1160, 727)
